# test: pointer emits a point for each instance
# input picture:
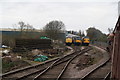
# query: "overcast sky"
(75, 14)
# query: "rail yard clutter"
(29, 52)
(41, 58)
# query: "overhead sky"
(75, 14)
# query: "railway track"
(56, 70)
(22, 73)
(107, 77)
(26, 70)
(101, 71)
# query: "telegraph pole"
(119, 8)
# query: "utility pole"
(119, 8)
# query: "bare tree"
(14, 27)
(25, 28)
(22, 25)
(53, 28)
(110, 30)
(79, 33)
(29, 28)
(82, 34)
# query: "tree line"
(96, 35)
(54, 28)
(50, 30)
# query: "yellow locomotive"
(85, 41)
(77, 40)
(68, 41)
(73, 39)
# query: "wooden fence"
(29, 44)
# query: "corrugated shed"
(116, 52)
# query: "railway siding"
(50, 70)
(81, 73)
(28, 67)
(85, 71)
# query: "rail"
(94, 69)
(64, 68)
(30, 68)
(107, 77)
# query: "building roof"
(72, 35)
(10, 29)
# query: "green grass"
(8, 66)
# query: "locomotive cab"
(68, 41)
(85, 41)
(77, 41)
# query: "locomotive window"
(78, 38)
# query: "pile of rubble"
(85, 61)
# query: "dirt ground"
(81, 62)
